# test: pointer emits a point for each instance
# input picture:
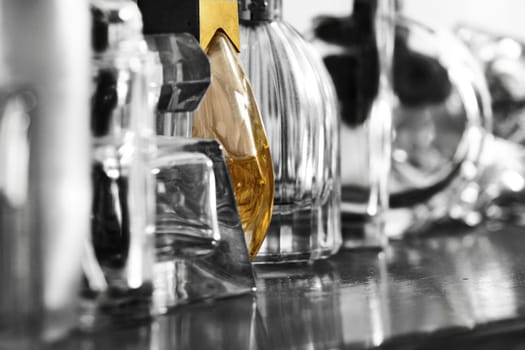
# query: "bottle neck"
(254, 11)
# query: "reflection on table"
(455, 287)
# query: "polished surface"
(453, 289)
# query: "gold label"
(219, 14)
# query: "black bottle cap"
(170, 16)
(201, 18)
(253, 11)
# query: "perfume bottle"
(119, 257)
(214, 273)
(229, 112)
(357, 51)
(225, 271)
(298, 103)
(186, 222)
(44, 169)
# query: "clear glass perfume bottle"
(119, 259)
(227, 270)
(186, 216)
(298, 103)
(198, 271)
(357, 51)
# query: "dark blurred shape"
(355, 72)
(103, 102)
(417, 79)
(110, 220)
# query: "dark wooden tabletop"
(454, 288)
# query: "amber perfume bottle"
(229, 112)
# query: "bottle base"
(306, 234)
(115, 309)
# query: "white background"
(501, 16)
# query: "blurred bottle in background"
(357, 51)
(119, 260)
(441, 116)
(494, 39)
(44, 167)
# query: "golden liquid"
(250, 184)
(229, 114)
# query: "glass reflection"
(143, 337)
(300, 304)
(225, 324)
(457, 280)
(364, 297)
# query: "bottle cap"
(253, 11)
(201, 18)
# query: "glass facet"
(299, 110)
(186, 217)
(185, 79)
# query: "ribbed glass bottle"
(299, 109)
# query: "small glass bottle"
(186, 217)
(298, 103)
(119, 257)
(204, 266)
(229, 112)
(198, 265)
